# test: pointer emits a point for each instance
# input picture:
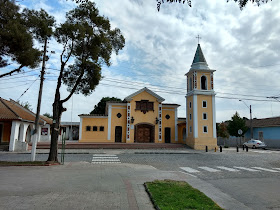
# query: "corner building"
(200, 104)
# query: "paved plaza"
(113, 179)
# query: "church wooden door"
(118, 134)
(144, 134)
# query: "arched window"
(190, 84)
(203, 83)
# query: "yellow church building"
(144, 118)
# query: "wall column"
(14, 135)
(80, 128)
(214, 116)
(109, 122)
(176, 126)
(195, 122)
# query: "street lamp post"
(251, 122)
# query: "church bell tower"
(200, 104)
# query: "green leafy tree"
(48, 115)
(26, 105)
(100, 107)
(241, 3)
(16, 42)
(235, 124)
(88, 40)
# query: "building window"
(119, 115)
(144, 106)
(190, 116)
(204, 115)
(190, 129)
(101, 128)
(190, 105)
(205, 129)
(203, 83)
(94, 128)
(204, 104)
(190, 84)
(167, 116)
(88, 128)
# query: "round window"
(167, 116)
(119, 115)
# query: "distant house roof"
(264, 122)
(159, 99)
(11, 110)
(167, 104)
(69, 123)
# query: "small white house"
(17, 124)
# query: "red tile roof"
(11, 110)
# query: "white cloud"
(160, 47)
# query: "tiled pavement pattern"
(104, 158)
(228, 169)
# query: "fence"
(234, 141)
(231, 141)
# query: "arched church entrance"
(144, 133)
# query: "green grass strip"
(24, 163)
(169, 194)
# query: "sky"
(241, 45)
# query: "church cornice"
(201, 92)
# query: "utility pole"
(36, 133)
(251, 122)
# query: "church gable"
(144, 93)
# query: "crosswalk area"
(233, 169)
(105, 158)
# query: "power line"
(27, 88)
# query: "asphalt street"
(252, 178)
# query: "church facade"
(144, 118)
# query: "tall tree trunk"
(55, 129)
(57, 112)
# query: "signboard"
(240, 132)
(44, 131)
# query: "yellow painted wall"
(94, 136)
(168, 123)
(115, 121)
(180, 133)
(140, 117)
(6, 131)
(208, 110)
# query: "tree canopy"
(87, 38)
(48, 115)
(241, 3)
(235, 124)
(16, 42)
(101, 106)
(17, 31)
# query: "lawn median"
(169, 194)
(27, 163)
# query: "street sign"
(240, 132)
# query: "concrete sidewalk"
(82, 185)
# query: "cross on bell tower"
(198, 37)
